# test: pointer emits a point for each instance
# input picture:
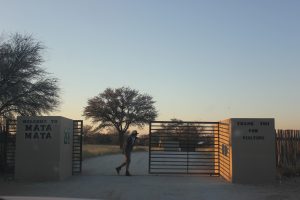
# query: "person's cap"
(134, 132)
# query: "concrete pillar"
(44, 148)
(247, 150)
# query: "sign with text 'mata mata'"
(38, 129)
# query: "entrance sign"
(44, 148)
(247, 153)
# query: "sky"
(201, 60)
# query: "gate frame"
(215, 145)
(8, 130)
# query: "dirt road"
(99, 181)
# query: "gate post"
(44, 148)
(248, 153)
(149, 158)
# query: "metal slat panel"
(184, 147)
(77, 147)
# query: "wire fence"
(288, 150)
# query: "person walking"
(127, 152)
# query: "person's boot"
(118, 170)
(127, 173)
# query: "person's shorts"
(128, 156)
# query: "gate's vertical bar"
(187, 151)
(5, 140)
(11, 128)
(149, 159)
(81, 132)
(1, 147)
(6, 146)
(218, 174)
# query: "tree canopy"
(25, 87)
(121, 108)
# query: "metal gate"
(8, 146)
(177, 147)
(77, 147)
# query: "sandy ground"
(105, 165)
(99, 181)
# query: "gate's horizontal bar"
(183, 143)
(184, 170)
(183, 157)
(199, 160)
(184, 150)
(196, 151)
(187, 129)
(191, 167)
(185, 122)
(182, 153)
(180, 164)
(183, 162)
(182, 173)
(208, 153)
(185, 138)
(159, 157)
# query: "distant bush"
(100, 139)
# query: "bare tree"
(121, 108)
(187, 134)
(89, 130)
(25, 87)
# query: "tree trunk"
(121, 139)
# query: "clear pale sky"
(200, 60)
